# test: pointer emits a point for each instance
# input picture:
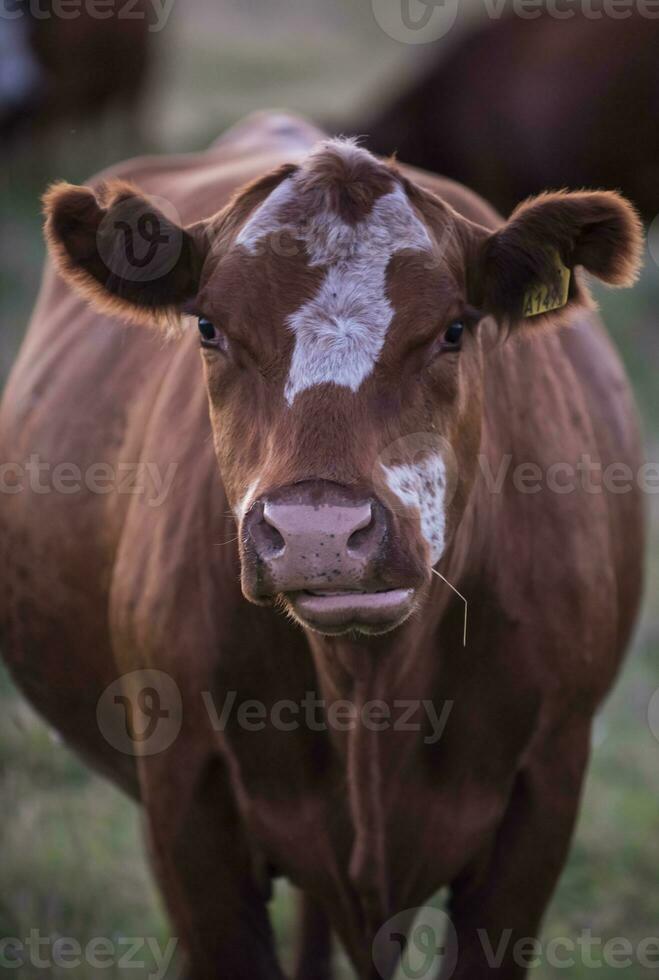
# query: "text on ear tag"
(543, 298)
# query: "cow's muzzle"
(325, 549)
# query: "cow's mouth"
(343, 611)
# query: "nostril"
(361, 537)
(271, 542)
(267, 538)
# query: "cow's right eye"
(210, 336)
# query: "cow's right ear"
(122, 252)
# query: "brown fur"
(346, 185)
(598, 231)
(586, 229)
(367, 823)
(90, 250)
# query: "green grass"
(72, 861)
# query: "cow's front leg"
(314, 954)
(205, 868)
(499, 905)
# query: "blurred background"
(508, 104)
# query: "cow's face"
(340, 314)
(339, 348)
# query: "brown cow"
(75, 65)
(368, 369)
(519, 105)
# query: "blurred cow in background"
(565, 99)
(74, 68)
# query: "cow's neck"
(395, 669)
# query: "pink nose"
(316, 535)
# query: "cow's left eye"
(210, 336)
(453, 334)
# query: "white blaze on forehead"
(340, 332)
(422, 486)
(266, 220)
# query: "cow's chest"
(388, 792)
(383, 817)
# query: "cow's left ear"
(122, 252)
(526, 271)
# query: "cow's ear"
(122, 252)
(526, 272)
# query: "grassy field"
(71, 858)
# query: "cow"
(57, 68)
(542, 101)
(340, 365)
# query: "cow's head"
(339, 310)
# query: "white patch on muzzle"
(422, 486)
(340, 332)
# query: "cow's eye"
(210, 336)
(453, 334)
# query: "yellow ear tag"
(542, 298)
